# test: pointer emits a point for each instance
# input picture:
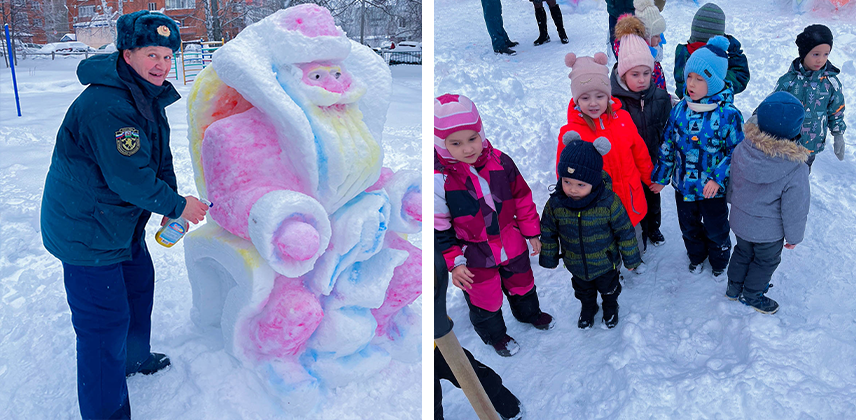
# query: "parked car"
(66, 47)
(408, 46)
(107, 48)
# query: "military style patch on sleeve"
(128, 140)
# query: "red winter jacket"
(628, 160)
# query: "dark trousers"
(705, 229)
(505, 403)
(810, 161)
(613, 20)
(490, 326)
(111, 308)
(608, 286)
(493, 20)
(752, 267)
(651, 221)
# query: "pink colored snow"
(311, 20)
(288, 319)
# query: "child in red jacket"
(483, 216)
(594, 113)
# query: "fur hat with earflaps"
(147, 29)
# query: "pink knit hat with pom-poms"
(588, 74)
(454, 113)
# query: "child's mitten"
(838, 146)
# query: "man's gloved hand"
(838, 146)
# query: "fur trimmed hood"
(773, 146)
(765, 158)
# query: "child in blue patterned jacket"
(702, 131)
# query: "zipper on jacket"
(582, 246)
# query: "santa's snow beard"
(349, 158)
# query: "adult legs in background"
(493, 20)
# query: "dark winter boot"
(610, 316)
(557, 19)
(156, 363)
(544, 322)
(610, 306)
(656, 238)
(506, 346)
(733, 291)
(759, 302)
(541, 18)
(587, 314)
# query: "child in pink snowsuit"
(483, 216)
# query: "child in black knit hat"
(814, 81)
(585, 224)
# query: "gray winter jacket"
(769, 189)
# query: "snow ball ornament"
(588, 74)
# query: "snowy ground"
(681, 349)
(37, 355)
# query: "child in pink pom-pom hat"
(594, 112)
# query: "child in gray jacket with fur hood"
(769, 196)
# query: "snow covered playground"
(681, 350)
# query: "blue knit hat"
(147, 29)
(582, 160)
(781, 115)
(711, 63)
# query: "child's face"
(696, 87)
(816, 58)
(464, 145)
(655, 40)
(593, 103)
(638, 78)
(575, 188)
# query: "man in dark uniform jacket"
(111, 169)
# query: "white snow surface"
(37, 342)
(681, 349)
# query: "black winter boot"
(560, 26)
(156, 363)
(587, 314)
(541, 18)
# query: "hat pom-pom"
(570, 136)
(600, 58)
(602, 145)
(720, 42)
(570, 59)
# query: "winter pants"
(505, 403)
(705, 229)
(539, 4)
(613, 20)
(651, 221)
(516, 281)
(111, 308)
(752, 266)
(608, 286)
(493, 20)
(810, 161)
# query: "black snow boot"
(156, 363)
(587, 316)
(557, 19)
(610, 316)
(541, 18)
(760, 303)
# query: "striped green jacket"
(590, 241)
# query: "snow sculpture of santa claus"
(305, 269)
